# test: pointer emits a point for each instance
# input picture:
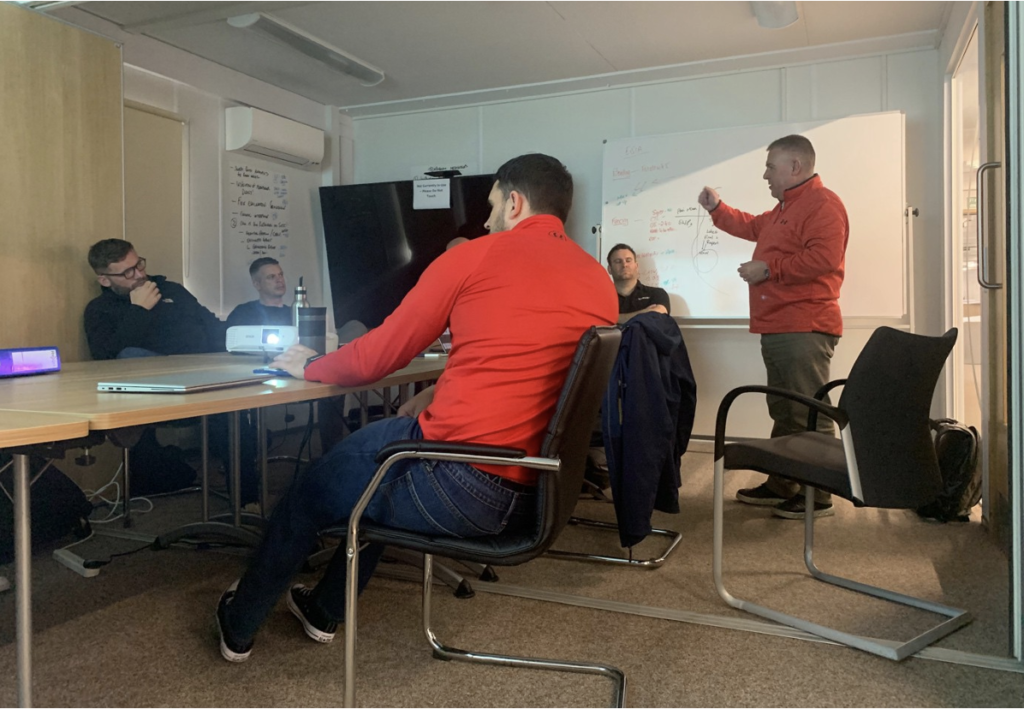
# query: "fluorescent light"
(46, 5)
(305, 43)
(775, 15)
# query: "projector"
(261, 339)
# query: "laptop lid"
(181, 382)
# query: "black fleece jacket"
(178, 324)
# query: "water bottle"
(300, 302)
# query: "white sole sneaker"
(311, 630)
(226, 652)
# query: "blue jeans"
(431, 497)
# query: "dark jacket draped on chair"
(647, 417)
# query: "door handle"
(983, 280)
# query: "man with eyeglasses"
(139, 315)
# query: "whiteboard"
(269, 211)
(649, 193)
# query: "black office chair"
(561, 464)
(647, 473)
(883, 458)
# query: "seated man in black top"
(139, 315)
(269, 309)
(634, 296)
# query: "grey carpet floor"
(142, 633)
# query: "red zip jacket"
(517, 303)
(803, 241)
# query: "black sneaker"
(231, 649)
(794, 508)
(317, 625)
(760, 495)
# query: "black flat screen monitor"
(378, 245)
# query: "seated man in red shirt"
(517, 302)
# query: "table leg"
(364, 409)
(236, 468)
(23, 577)
(214, 528)
(204, 442)
(261, 432)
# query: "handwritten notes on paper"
(431, 194)
(258, 212)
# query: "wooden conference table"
(66, 405)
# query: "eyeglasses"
(140, 265)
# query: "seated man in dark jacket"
(143, 312)
(138, 315)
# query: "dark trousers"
(800, 362)
(219, 429)
(429, 497)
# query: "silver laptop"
(181, 382)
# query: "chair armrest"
(836, 414)
(812, 415)
(421, 446)
(820, 394)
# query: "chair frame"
(893, 650)
(441, 651)
(650, 563)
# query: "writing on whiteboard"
(649, 194)
(258, 213)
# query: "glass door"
(991, 249)
(1015, 333)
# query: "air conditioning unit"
(256, 132)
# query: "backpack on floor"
(57, 506)
(957, 447)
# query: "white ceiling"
(430, 49)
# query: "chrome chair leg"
(652, 563)
(444, 652)
(892, 650)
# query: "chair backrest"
(887, 397)
(568, 434)
(568, 439)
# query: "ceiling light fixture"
(305, 43)
(46, 5)
(775, 15)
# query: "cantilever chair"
(883, 458)
(670, 408)
(561, 464)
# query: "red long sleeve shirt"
(803, 241)
(517, 303)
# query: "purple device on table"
(22, 361)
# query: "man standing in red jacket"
(794, 280)
(517, 302)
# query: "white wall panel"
(386, 148)
(570, 128)
(799, 98)
(743, 99)
(203, 243)
(915, 87)
(846, 88)
(150, 89)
